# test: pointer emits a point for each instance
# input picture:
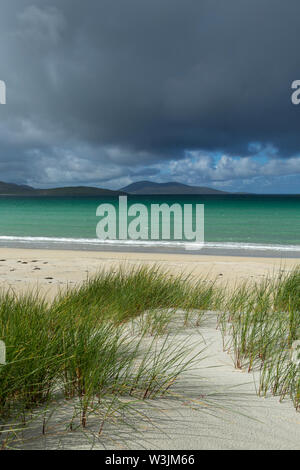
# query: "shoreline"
(232, 250)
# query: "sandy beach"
(51, 270)
(213, 406)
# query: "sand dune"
(213, 406)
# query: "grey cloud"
(122, 86)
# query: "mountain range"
(10, 189)
(140, 187)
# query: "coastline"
(229, 249)
(50, 270)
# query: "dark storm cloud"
(111, 84)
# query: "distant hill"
(14, 189)
(141, 187)
(147, 187)
(10, 189)
(77, 191)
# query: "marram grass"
(260, 324)
(99, 347)
(81, 348)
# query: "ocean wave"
(251, 246)
(193, 246)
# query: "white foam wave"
(148, 243)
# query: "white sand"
(211, 407)
(50, 270)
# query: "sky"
(108, 92)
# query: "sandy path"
(214, 407)
(236, 418)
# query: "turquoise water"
(242, 220)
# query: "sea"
(245, 225)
